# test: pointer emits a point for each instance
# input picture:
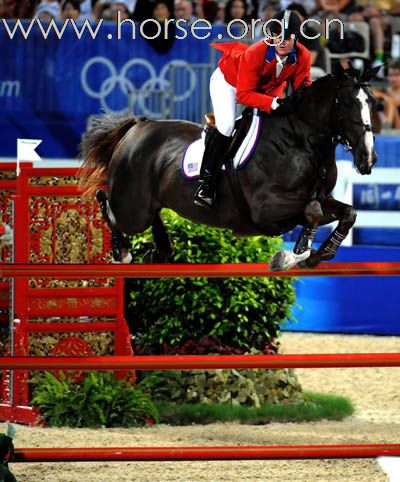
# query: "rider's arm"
(247, 82)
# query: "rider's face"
(285, 47)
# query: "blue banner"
(387, 149)
(49, 87)
(377, 197)
(350, 304)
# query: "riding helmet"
(291, 22)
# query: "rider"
(254, 76)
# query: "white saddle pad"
(193, 155)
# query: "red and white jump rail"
(78, 271)
(192, 362)
(147, 454)
(198, 362)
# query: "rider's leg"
(223, 96)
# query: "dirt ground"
(374, 391)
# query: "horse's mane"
(351, 74)
(317, 85)
(322, 81)
(324, 84)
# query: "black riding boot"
(213, 158)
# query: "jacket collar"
(270, 55)
(292, 59)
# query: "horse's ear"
(369, 74)
(340, 72)
(340, 69)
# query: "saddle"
(242, 127)
(246, 133)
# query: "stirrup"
(204, 201)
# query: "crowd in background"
(380, 20)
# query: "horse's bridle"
(339, 137)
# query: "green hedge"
(242, 313)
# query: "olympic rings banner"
(49, 87)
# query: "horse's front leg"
(346, 215)
(284, 260)
(314, 215)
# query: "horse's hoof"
(285, 260)
(126, 257)
(122, 257)
(280, 261)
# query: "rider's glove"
(288, 105)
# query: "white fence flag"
(26, 151)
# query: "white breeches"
(223, 97)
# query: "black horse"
(288, 181)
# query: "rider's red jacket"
(252, 70)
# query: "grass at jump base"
(317, 406)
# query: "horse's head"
(352, 112)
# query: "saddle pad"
(193, 154)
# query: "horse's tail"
(97, 147)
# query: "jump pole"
(190, 362)
(209, 361)
(77, 271)
(148, 454)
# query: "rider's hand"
(286, 106)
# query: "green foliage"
(252, 387)
(241, 312)
(163, 384)
(98, 400)
(313, 407)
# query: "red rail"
(79, 271)
(200, 362)
(204, 453)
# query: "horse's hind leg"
(164, 247)
(120, 249)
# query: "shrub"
(98, 400)
(243, 313)
(252, 387)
